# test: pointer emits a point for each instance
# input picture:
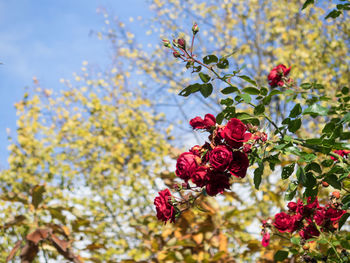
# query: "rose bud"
(195, 29)
(166, 43)
(176, 54)
(276, 74)
(325, 184)
(181, 43)
(336, 194)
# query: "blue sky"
(49, 40)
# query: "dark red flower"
(334, 214)
(309, 232)
(165, 210)
(199, 177)
(208, 122)
(239, 165)
(220, 157)
(292, 206)
(320, 216)
(234, 133)
(217, 183)
(284, 222)
(276, 74)
(186, 165)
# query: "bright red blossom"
(165, 210)
(186, 165)
(208, 122)
(276, 75)
(234, 133)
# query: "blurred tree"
(93, 151)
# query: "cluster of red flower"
(306, 219)
(211, 165)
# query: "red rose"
(284, 222)
(239, 165)
(186, 165)
(320, 216)
(276, 74)
(217, 183)
(208, 122)
(220, 157)
(199, 177)
(292, 206)
(234, 133)
(165, 210)
(334, 214)
(309, 232)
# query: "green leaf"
(206, 89)
(37, 195)
(190, 89)
(248, 79)
(345, 90)
(220, 117)
(259, 109)
(296, 111)
(275, 92)
(204, 77)
(229, 90)
(314, 167)
(307, 157)
(223, 63)
(301, 175)
(287, 171)
(343, 219)
(257, 175)
(333, 14)
(307, 3)
(306, 86)
(291, 191)
(295, 240)
(210, 59)
(251, 91)
(332, 179)
(316, 110)
(346, 118)
(227, 102)
(245, 97)
(329, 128)
(294, 125)
(280, 255)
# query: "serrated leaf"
(245, 97)
(210, 59)
(307, 3)
(294, 125)
(259, 109)
(204, 77)
(190, 89)
(257, 175)
(287, 171)
(296, 111)
(206, 90)
(223, 64)
(248, 79)
(229, 90)
(316, 110)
